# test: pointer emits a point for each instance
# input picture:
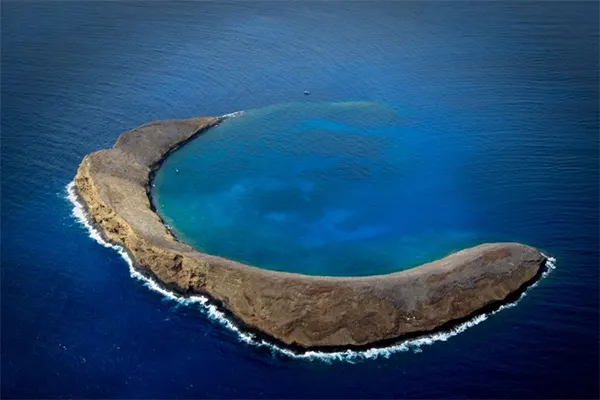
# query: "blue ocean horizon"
(468, 122)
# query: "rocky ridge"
(292, 309)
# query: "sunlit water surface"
(350, 188)
(475, 121)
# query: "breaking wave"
(233, 114)
(214, 313)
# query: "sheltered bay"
(293, 309)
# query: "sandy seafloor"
(504, 96)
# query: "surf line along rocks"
(295, 310)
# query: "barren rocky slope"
(297, 310)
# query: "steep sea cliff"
(507, 91)
(297, 310)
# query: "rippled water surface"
(430, 126)
(350, 188)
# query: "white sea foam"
(215, 314)
(233, 114)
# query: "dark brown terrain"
(297, 310)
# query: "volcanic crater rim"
(299, 311)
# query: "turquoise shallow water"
(348, 188)
(499, 97)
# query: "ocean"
(338, 188)
(430, 127)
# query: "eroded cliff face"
(299, 310)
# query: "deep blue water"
(507, 94)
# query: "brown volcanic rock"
(299, 310)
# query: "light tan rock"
(294, 309)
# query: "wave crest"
(214, 313)
(233, 114)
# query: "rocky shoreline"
(295, 310)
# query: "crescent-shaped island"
(299, 311)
